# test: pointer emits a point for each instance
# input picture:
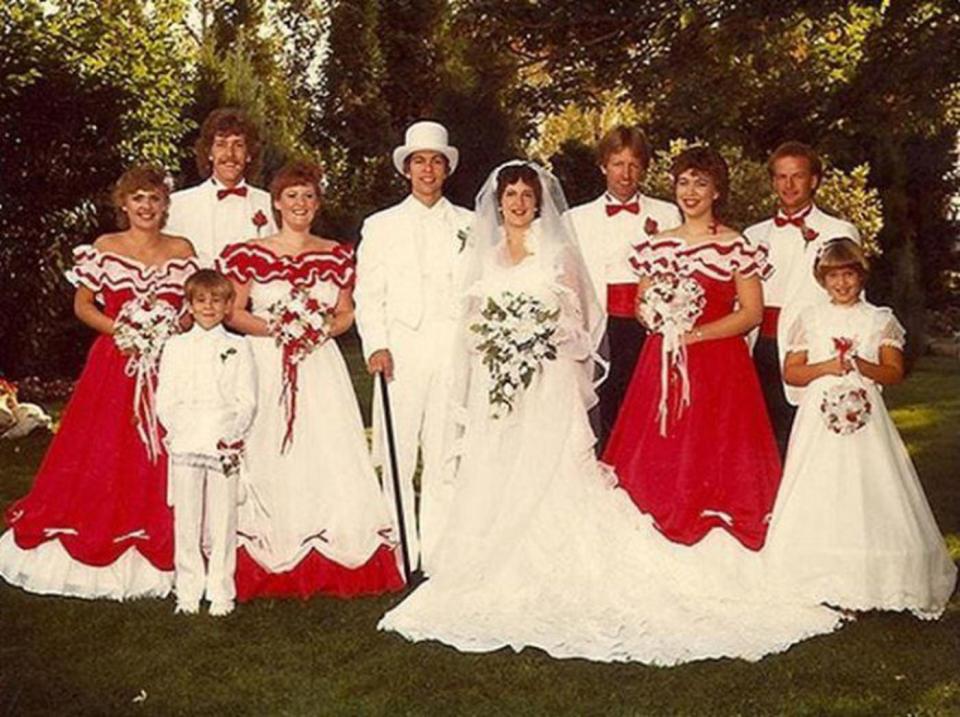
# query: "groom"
(406, 312)
(607, 230)
(223, 209)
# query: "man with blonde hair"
(607, 228)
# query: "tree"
(86, 89)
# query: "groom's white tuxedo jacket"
(212, 223)
(405, 268)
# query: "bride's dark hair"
(513, 173)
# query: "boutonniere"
(651, 227)
(259, 220)
(462, 236)
(224, 355)
(808, 235)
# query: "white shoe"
(187, 608)
(219, 609)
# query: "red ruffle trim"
(249, 262)
(98, 270)
(718, 260)
(318, 575)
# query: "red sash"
(621, 300)
(771, 317)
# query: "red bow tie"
(632, 207)
(798, 220)
(227, 191)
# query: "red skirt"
(717, 465)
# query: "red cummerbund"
(621, 300)
(771, 317)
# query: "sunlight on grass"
(915, 417)
(941, 699)
(953, 545)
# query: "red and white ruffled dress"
(717, 466)
(313, 519)
(96, 523)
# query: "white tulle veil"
(557, 251)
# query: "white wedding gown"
(542, 550)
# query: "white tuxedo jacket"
(792, 287)
(607, 242)
(389, 288)
(212, 223)
(206, 390)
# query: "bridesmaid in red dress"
(96, 523)
(692, 444)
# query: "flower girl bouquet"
(670, 306)
(516, 337)
(299, 324)
(845, 407)
(141, 327)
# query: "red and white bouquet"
(140, 329)
(846, 407)
(670, 306)
(299, 324)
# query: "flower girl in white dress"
(851, 526)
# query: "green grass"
(324, 656)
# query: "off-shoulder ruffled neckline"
(337, 249)
(125, 258)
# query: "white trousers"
(419, 400)
(204, 505)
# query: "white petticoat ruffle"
(49, 569)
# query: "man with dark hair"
(407, 311)
(795, 235)
(607, 229)
(223, 209)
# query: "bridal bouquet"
(299, 324)
(516, 337)
(670, 306)
(141, 327)
(845, 407)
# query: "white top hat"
(425, 135)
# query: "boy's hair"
(209, 280)
(840, 253)
(623, 137)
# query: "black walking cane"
(392, 452)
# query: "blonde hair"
(840, 253)
(209, 280)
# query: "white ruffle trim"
(49, 569)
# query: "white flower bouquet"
(845, 408)
(670, 306)
(143, 325)
(140, 329)
(516, 337)
(299, 324)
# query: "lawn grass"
(67, 656)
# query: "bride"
(541, 548)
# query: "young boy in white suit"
(206, 399)
(406, 310)
(223, 209)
